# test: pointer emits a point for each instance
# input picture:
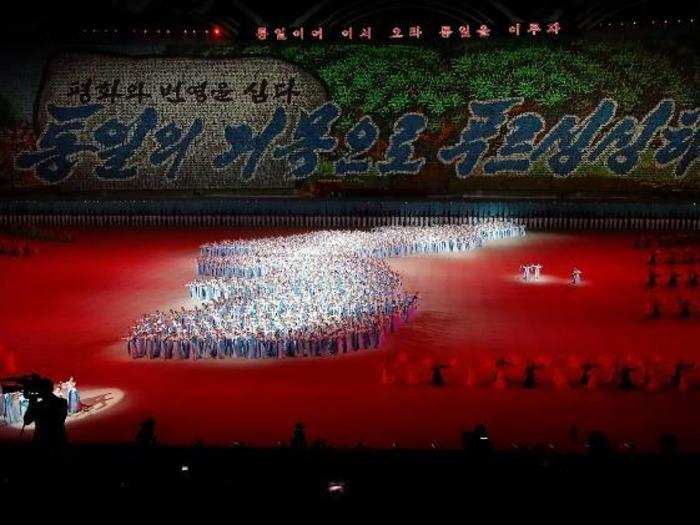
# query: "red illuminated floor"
(64, 311)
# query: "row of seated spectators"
(300, 469)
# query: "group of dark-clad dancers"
(672, 277)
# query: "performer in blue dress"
(12, 408)
(73, 397)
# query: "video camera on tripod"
(32, 386)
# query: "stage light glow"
(336, 487)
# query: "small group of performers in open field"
(533, 273)
(14, 404)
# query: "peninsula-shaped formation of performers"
(314, 294)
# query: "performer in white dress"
(537, 269)
(525, 272)
(576, 276)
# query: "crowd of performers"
(314, 294)
(672, 277)
(531, 272)
(14, 404)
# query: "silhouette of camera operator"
(48, 412)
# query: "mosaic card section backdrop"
(264, 117)
(108, 122)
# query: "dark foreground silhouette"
(303, 470)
